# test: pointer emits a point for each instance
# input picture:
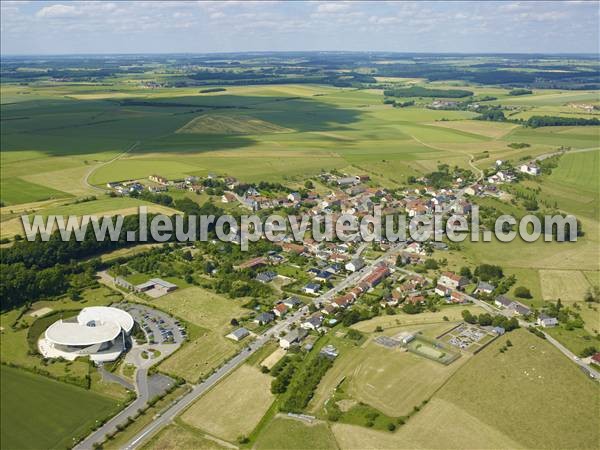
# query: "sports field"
(235, 406)
(380, 376)
(38, 412)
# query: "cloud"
(57, 11)
(332, 7)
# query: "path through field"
(90, 172)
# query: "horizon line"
(394, 52)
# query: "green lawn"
(41, 413)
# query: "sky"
(67, 27)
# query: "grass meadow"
(233, 407)
(209, 315)
(42, 413)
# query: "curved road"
(96, 167)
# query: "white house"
(355, 265)
(546, 321)
(530, 169)
(292, 337)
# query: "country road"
(96, 167)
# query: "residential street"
(233, 363)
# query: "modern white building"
(99, 332)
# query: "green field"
(209, 315)
(519, 381)
(285, 132)
(530, 396)
(286, 433)
(41, 413)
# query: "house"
(343, 302)
(596, 358)
(293, 248)
(520, 309)
(503, 301)
(546, 321)
(158, 179)
(376, 276)
(294, 197)
(355, 265)
(266, 277)
(292, 302)
(312, 288)
(323, 276)
(415, 298)
(263, 318)
(512, 305)
(238, 335)
(346, 181)
(530, 169)
(484, 288)
(457, 297)
(453, 280)
(293, 337)
(313, 322)
(280, 310)
(334, 268)
(442, 291)
(228, 197)
(329, 309)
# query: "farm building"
(238, 335)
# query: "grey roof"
(240, 333)
(163, 283)
(292, 301)
(265, 317)
(485, 286)
(520, 308)
(295, 335)
(266, 276)
(504, 300)
(147, 284)
(313, 286)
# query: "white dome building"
(99, 332)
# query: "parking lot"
(159, 327)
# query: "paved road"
(111, 377)
(221, 373)
(237, 360)
(111, 426)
